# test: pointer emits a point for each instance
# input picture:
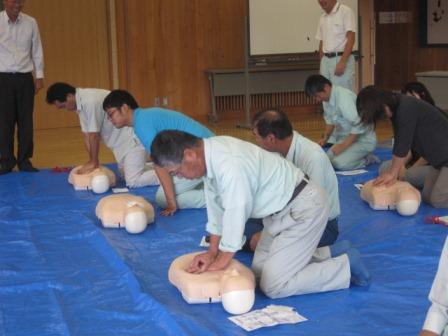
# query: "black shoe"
(6, 167)
(5, 170)
(26, 166)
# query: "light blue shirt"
(313, 161)
(243, 181)
(150, 121)
(341, 112)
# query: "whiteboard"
(287, 26)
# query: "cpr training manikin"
(234, 285)
(132, 212)
(401, 196)
(99, 180)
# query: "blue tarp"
(61, 273)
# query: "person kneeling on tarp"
(417, 125)
(244, 181)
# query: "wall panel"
(165, 46)
(398, 54)
(76, 50)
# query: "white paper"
(203, 242)
(358, 186)
(351, 172)
(267, 317)
(120, 190)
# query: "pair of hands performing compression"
(390, 176)
(212, 260)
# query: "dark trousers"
(330, 234)
(328, 237)
(16, 108)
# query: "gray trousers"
(347, 80)
(353, 157)
(133, 167)
(435, 190)
(283, 260)
(189, 194)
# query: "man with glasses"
(127, 149)
(244, 181)
(174, 193)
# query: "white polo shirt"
(92, 117)
(332, 29)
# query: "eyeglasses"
(176, 171)
(110, 112)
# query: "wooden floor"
(64, 146)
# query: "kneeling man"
(243, 181)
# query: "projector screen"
(287, 26)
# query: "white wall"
(286, 26)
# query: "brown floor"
(64, 146)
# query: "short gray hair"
(167, 148)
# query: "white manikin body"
(400, 196)
(234, 285)
(133, 213)
(98, 180)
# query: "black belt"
(15, 73)
(334, 54)
(299, 188)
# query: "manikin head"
(234, 286)
(135, 219)
(318, 87)
(272, 130)
(235, 299)
(62, 95)
(119, 106)
(100, 183)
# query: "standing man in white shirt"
(436, 322)
(128, 151)
(244, 181)
(20, 55)
(336, 33)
